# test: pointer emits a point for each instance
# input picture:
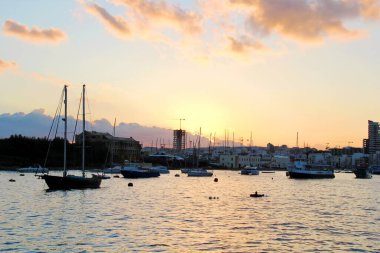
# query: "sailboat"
(112, 169)
(67, 182)
(199, 172)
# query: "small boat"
(363, 173)
(33, 169)
(303, 170)
(256, 195)
(67, 182)
(113, 170)
(249, 170)
(199, 173)
(102, 176)
(161, 169)
(375, 169)
(185, 170)
(137, 171)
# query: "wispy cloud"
(116, 24)
(49, 78)
(370, 9)
(6, 65)
(306, 21)
(162, 13)
(244, 44)
(34, 34)
(240, 27)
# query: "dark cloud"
(37, 124)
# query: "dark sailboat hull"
(139, 174)
(71, 182)
(301, 175)
(362, 173)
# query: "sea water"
(185, 214)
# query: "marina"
(226, 126)
(176, 214)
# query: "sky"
(267, 67)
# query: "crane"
(180, 123)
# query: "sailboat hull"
(71, 182)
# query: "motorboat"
(256, 195)
(161, 169)
(199, 173)
(249, 170)
(113, 170)
(137, 171)
(33, 169)
(302, 169)
(363, 173)
(185, 170)
(375, 169)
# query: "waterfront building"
(248, 160)
(179, 140)
(280, 161)
(120, 148)
(373, 137)
(229, 161)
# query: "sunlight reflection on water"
(175, 214)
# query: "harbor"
(188, 214)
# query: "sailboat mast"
(65, 134)
(113, 142)
(84, 127)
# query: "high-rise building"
(179, 139)
(373, 137)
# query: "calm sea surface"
(176, 214)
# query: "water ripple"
(171, 214)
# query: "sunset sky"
(270, 67)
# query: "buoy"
(216, 179)
(176, 175)
(12, 180)
(21, 175)
(130, 184)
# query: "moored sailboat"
(67, 182)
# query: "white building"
(280, 161)
(239, 161)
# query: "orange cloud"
(370, 9)
(48, 78)
(34, 34)
(5, 65)
(153, 12)
(244, 45)
(116, 24)
(301, 20)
